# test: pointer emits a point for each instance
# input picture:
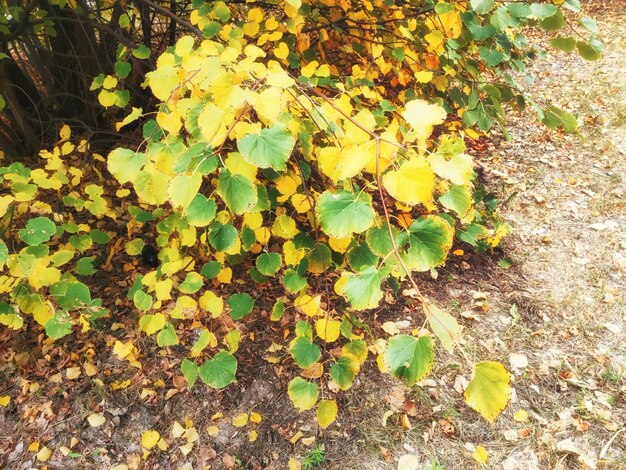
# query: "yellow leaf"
(458, 168)
(5, 400)
(213, 304)
(107, 98)
(422, 116)
(309, 305)
(185, 449)
(240, 420)
(521, 416)
(44, 454)
(326, 413)
(309, 69)
(292, 255)
(282, 51)
(33, 446)
(213, 431)
(225, 275)
(252, 436)
(488, 392)
(65, 132)
(255, 417)
(72, 372)
(120, 384)
(238, 166)
(301, 203)
(340, 245)
(253, 220)
(412, 183)
(109, 82)
(480, 454)
(286, 185)
(408, 462)
(328, 330)
(149, 439)
(423, 76)
(276, 76)
(96, 419)
(163, 80)
(170, 122)
(177, 430)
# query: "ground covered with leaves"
(550, 306)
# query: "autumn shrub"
(315, 146)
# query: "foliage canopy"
(318, 142)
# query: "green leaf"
(589, 50)
(190, 371)
(304, 352)
(492, 56)
(379, 241)
(293, 281)
(426, 244)
(240, 305)
(443, 325)
(122, 69)
(409, 357)
(481, 6)
(270, 148)
(363, 289)
(458, 198)
(192, 283)
(141, 52)
(567, 44)
(81, 242)
(84, 266)
(222, 236)
(344, 371)
(303, 394)
(125, 164)
(237, 191)
(554, 22)
(488, 392)
(211, 269)
(99, 237)
(9, 316)
(277, 310)
(167, 336)
(360, 257)
(343, 213)
(38, 230)
(142, 300)
(543, 10)
(219, 371)
(70, 295)
(269, 263)
(201, 211)
(183, 189)
(59, 325)
(4, 253)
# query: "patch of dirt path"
(557, 317)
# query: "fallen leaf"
(96, 419)
(408, 462)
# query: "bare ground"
(555, 318)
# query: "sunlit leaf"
(489, 391)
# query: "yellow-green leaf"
(489, 391)
(326, 413)
(412, 183)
